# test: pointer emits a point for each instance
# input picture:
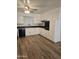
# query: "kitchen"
(37, 23)
(42, 23)
(31, 26)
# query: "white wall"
(52, 16)
(58, 29)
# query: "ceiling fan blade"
(28, 1)
(24, 1)
(34, 9)
(24, 4)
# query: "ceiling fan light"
(27, 11)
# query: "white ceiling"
(40, 5)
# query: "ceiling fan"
(27, 8)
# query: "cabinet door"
(32, 31)
(28, 31)
(36, 31)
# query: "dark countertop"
(30, 26)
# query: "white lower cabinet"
(32, 31)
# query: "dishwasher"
(21, 32)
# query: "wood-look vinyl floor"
(37, 47)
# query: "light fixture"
(27, 7)
(27, 11)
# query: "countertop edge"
(30, 26)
